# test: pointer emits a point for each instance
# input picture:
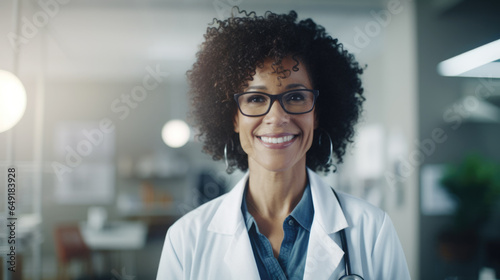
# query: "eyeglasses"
(297, 101)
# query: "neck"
(274, 194)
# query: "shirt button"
(290, 222)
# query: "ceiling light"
(12, 100)
(479, 62)
(175, 133)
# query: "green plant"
(475, 184)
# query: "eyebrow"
(289, 86)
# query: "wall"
(444, 33)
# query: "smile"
(277, 140)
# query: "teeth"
(277, 140)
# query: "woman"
(278, 98)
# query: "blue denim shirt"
(291, 261)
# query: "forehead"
(275, 75)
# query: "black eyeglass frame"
(278, 97)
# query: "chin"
(276, 165)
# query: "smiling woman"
(278, 98)
(229, 58)
(262, 134)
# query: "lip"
(277, 145)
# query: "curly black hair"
(228, 58)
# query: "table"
(115, 235)
(122, 236)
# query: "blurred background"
(104, 161)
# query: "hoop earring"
(225, 153)
(322, 131)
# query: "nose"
(276, 114)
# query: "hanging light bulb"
(175, 133)
(12, 100)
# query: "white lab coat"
(212, 242)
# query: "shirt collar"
(303, 213)
(248, 218)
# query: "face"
(277, 141)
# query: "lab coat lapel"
(239, 257)
(324, 255)
(228, 220)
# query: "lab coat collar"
(228, 220)
(228, 217)
(323, 253)
(327, 210)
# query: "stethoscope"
(345, 248)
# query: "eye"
(296, 96)
(255, 98)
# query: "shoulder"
(220, 215)
(353, 208)
(352, 212)
(364, 217)
(371, 222)
(195, 221)
(358, 210)
(182, 240)
(372, 233)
